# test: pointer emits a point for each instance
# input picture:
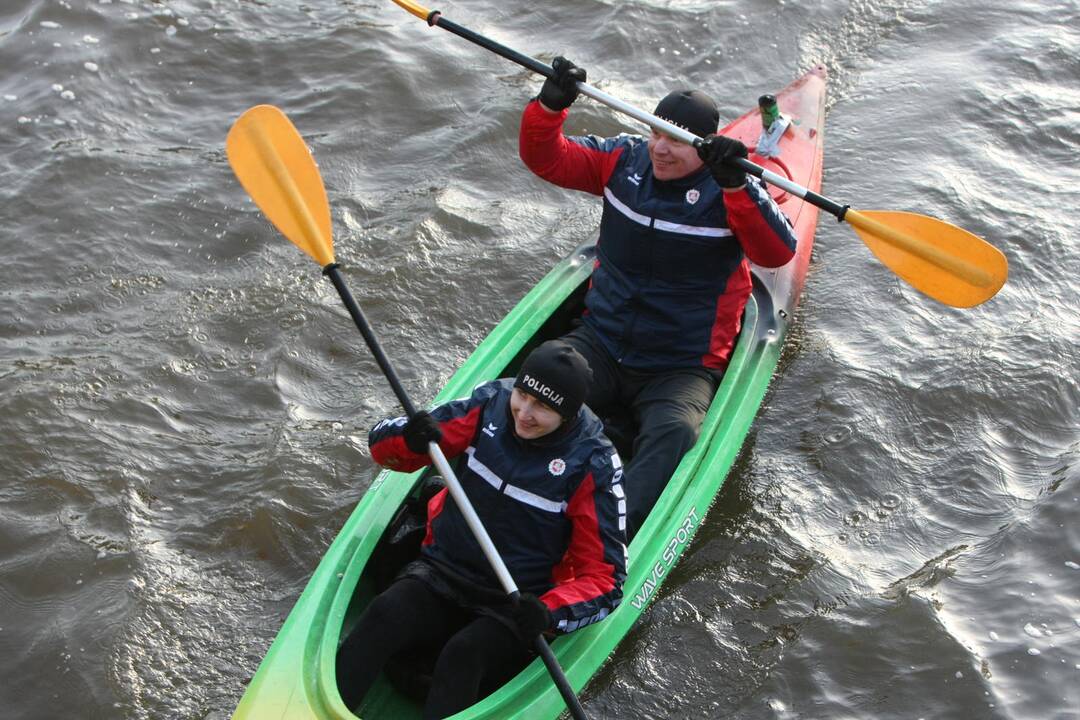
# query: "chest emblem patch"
(693, 195)
(557, 467)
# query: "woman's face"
(532, 418)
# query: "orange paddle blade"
(941, 260)
(276, 168)
(415, 8)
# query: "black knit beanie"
(557, 375)
(690, 109)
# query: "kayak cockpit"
(400, 691)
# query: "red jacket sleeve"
(558, 159)
(762, 229)
(457, 420)
(591, 574)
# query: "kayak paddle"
(277, 170)
(939, 259)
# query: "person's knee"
(677, 432)
(379, 619)
(461, 650)
(684, 428)
(380, 612)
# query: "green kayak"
(296, 680)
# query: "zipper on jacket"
(648, 282)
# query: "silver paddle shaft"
(472, 519)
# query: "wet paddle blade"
(276, 168)
(941, 260)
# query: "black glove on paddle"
(419, 431)
(531, 616)
(561, 91)
(719, 153)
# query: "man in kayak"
(547, 485)
(671, 278)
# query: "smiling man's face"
(671, 158)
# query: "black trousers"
(666, 410)
(478, 653)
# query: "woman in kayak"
(547, 485)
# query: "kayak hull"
(296, 680)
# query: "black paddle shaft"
(563, 685)
(331, 271)
(436, 19)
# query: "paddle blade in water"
(941, 260)
(276, 168)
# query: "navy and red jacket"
(671, 277)
(554, 507)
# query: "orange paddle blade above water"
(941, 260)
(276, 168)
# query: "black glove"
(531, 616)
(419, 431)
(561, 91)
(719, 153)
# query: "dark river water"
(184, 405)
